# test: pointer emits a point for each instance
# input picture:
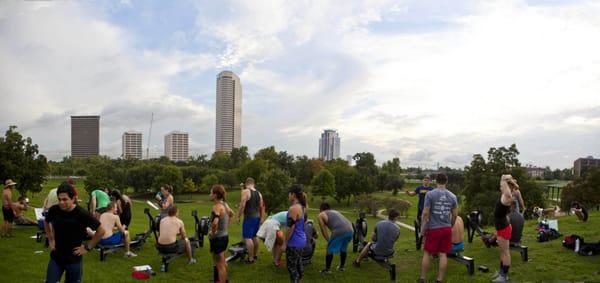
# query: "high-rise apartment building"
(132, 145)
(229, 112)
(176, 146)
(329, 145)
(582, 165)
(85, 136)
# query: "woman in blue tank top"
(296, 237)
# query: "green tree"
(323, 184)
(254, 168)
(189, 187)
(367, 172)
(220, 160)
(239, 156)
(22, 162)
(208, 181)
(584, 190)
(306, 168)
(268, 154)
(273, 187)
(171, 175)
(392, 166)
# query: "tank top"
(337, 223)
(500, 213)
(516, 202)
(252, 205)
(298, 238)
(223, 222)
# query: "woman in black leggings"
(503, 228)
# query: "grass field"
(549, 261)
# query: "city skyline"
(425, 81)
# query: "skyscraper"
(176, 146)
(329, 145)
(229, 112)
(132, 145)
(85, 136)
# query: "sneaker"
(326, 271)
(192, 261)
(355, 263)
(130, 254)
(340, 268)
(501, 279)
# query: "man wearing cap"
(7, 210)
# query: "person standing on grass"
(295, 234)
(440, 210)
(7, 209)
(503, 228)
(65, 226)
(251, 205)
(218, 235)
(165, 200)
(341, 234)
(421, 191)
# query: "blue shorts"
(339, 243)
(250, 227)
(458, 247)
(115, 239)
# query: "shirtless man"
(7, 211)
(458, 236)
(170, 227)
(18, 207)
(109, 220)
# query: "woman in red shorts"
(503, 228)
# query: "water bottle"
(577, 245)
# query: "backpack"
(569, 241)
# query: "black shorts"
(175, 248)
(8, 213)
(101, 210)
(218, 244)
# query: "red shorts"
(438, 240)
(505, 233)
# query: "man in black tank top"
(251, 205)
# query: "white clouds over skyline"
(410, 79)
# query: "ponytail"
(302, 198)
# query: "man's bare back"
(170, 227)
(108, 221)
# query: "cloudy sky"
(427, 81)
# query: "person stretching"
(341, 234)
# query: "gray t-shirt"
(386, 233)
(440, 203)
(337, 223)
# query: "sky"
(430, 82)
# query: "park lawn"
(548, 261)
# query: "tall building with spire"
(329, 145)
(228, 130)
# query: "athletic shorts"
(372, 254)
(438, 240)
(9, 214)
(339, 243)
(250, 227)
(458, 247)
(115, 239)
(218, 244)
(178, 247)
(505, 233)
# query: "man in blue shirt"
(421, 191)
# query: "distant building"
(350, 160)
(535, 172)
(176, 146)
(85, 136)
(132, 145)
(582, 165)
(228, 129)
(329, 145)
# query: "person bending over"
(170, 227)
(385, 235)
(110, 220)
(271, 232)
(341, 234)
(579, 210)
